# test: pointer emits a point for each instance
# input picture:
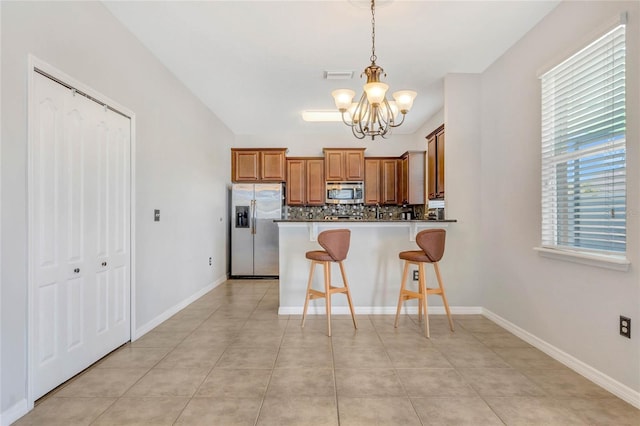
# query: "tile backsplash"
(355, 210)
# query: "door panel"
(371, 181)
(75, 320)
(75, 187)
(268, 204)
(315, 183)
(46, 177)
(47, 318)
(242, 237)
(79, 171)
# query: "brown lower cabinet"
(305, 181)
(380, 181)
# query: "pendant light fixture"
(373, 115)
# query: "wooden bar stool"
(336, 243)
(431, 242)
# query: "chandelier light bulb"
(404, 100)
(343, 98)
(376, 92)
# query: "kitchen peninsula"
(372, 265)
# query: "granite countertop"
(367, 220)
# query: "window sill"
(617, 263)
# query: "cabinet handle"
(77, 270)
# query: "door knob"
(77, 270)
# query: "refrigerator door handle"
(254, 220)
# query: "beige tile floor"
(229, 359)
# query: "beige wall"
(570, 306)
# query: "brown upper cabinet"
(411, 178)
(305, 181)
(258, 165)
(343, 164)
(435, 149)
(380, 180)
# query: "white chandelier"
(373, 115)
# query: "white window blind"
(584, 149)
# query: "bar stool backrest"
(336, 243)
(431, 241)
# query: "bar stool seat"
(336, 246)
(431, 242)
(319, 255)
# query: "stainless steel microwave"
(344, 193)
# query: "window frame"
(551, 240)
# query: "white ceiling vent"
(338, 75)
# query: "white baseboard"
(14, 412)
(141, 331)
(378, 310)
(620, 390)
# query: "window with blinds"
(584, 149)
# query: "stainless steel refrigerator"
(254, 235)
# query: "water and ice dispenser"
(242, 216)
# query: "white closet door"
(80, 233)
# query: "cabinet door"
(315, 183)
(388, 184)
(354, 165)
(244, 166)
(432, 167)
(334, 165)
(272, 166)
(295, 182)
(371, 181)
(440, 164)
(403, 196)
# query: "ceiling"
(258, 64)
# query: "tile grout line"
(161, 359)
(395, 370)
(335, 380)
(266, 389)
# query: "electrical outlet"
(210, 260)
(625, 327)
(415, 276)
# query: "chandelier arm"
(362, 111)
(350, 124)
(358, 135)
(402, 121)
(389, 113)
(385, 119)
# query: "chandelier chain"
(373, 32)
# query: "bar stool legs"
(421, 295)
(346, 285)
(328, 291)
(444, 296)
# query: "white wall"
(462, 183)
(432, 123)
(181, 162)
(573, 307)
